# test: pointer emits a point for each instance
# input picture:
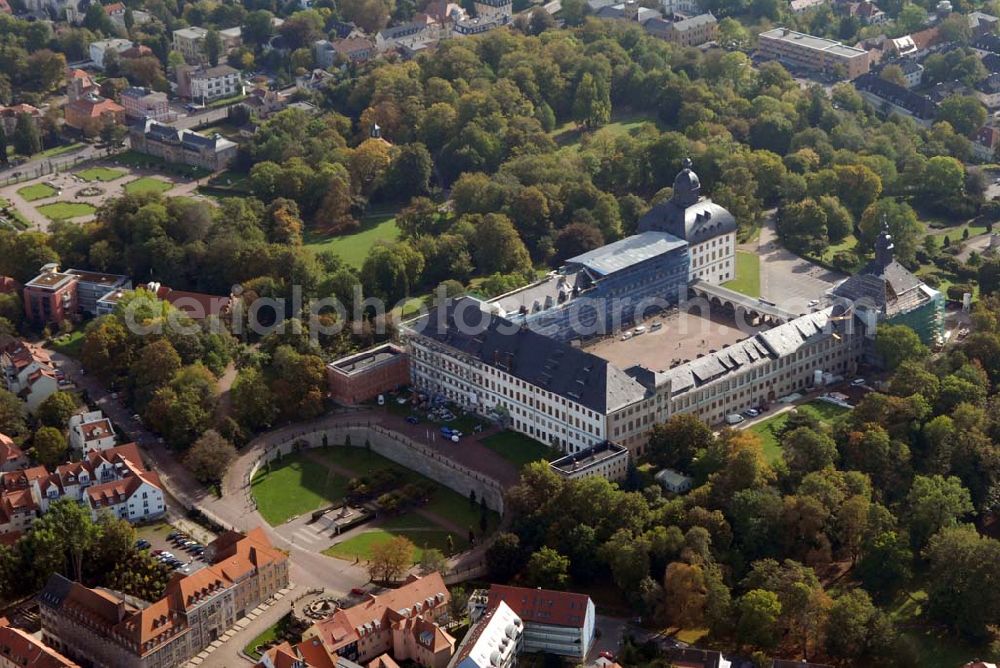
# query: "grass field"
(101, 174)
(769, 429)
(63, 210)
(268, 635)
(61, 150)
(69, 344)
(36, 191)
(294, 486)
(747, 279)
(516, 448)
(147, 184)
(570, 135)
(361, 545)
(354, 247)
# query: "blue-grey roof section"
(628, 252)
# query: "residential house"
(91, 431)
(868, 13)
(112, 630)
(137, 497)
(12, 457)
(985, 142)
(494, 641)
(261, 103)
(79, 83)
(195, 305)
(92, 112)
(9, 116)
(136, 51)
(352, 49)
(101, 47)
(981, 23)
(142, 103)
(190, 42)
(306, 654)
(19, 649)
(913, 72)
(693, 31)
(182, 146)
(420, 31)
(673, 481)
(889, 98)
(27, 372)
(988, 91)
(985, 44)
(400, 623)
(629, 11)
(556, 622)
(800, 6)
(206, 84)
(692, 657)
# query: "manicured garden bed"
(101, 174)
(147, 184)
(36, 191)
(64, 210)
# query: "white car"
(858, 382)
(813, 302)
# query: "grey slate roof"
(699, 222)
(695, 22)
(627, 252)
(775, 343)
(894, 289)
(549, 364)
(56, 590)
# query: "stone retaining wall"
(400, 449)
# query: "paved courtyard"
(69, 186)
(786, 279)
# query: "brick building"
(362, 377)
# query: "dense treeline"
(804, 555)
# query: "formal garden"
(101, 174)
(147, 184)
(429, 514)
(66, 210)
(36, 191)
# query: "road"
(786, 279)
(36, 167)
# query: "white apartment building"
(26, 370)
(205, 84)
(556, 622)
(494, 641)
(91, 431)
(99, 48)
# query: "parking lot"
(157, 537)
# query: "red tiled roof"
(542, 606)
(23, 649)
(9, 450)
(95, 108)
(8, 284)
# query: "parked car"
(641, 329)
(446, 431)
(357, 591)
(734, 419)
(412, 419)
(858, 382)
(142, 544)
(656, 326)
(751, 412)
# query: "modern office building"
(555, 622)
(363, 376)
(817, 54)
(50, 297)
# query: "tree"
(591, 103)
(433, 561)
(496, 246)
(547, 568)
(893, 74)
(155, 365)
(964, 113)
(943, 179)
(258, 27)
(675, 442)
(505, 557)
(3, 146)
(252, 400)
(57, 409)
(961, 564)
(839, 222)
(886, 565)
(369, 15)
(757, 624)
(209, 457)
(853, 626)
(686, 594)
(857, 187)
(27, 140)
(802, 226)
(69, 531)
(213, 46)
(410, 173)
(903, 226)
(576, 239)
(50, 446)
(808, 450)
(390, 559)
(11, 414)
(934, 503)
(540, 21)
(897, 344)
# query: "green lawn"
(63, 210)
(354, 247)
(61, 150)
(147, 184)
(268, 635)
(747, 279)
(361, 545)
(101, 174)
(570, 135)
(933, 648)
(69, 344)
(516, 448)
(769, 429)
(294, 486)
(36, 191)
